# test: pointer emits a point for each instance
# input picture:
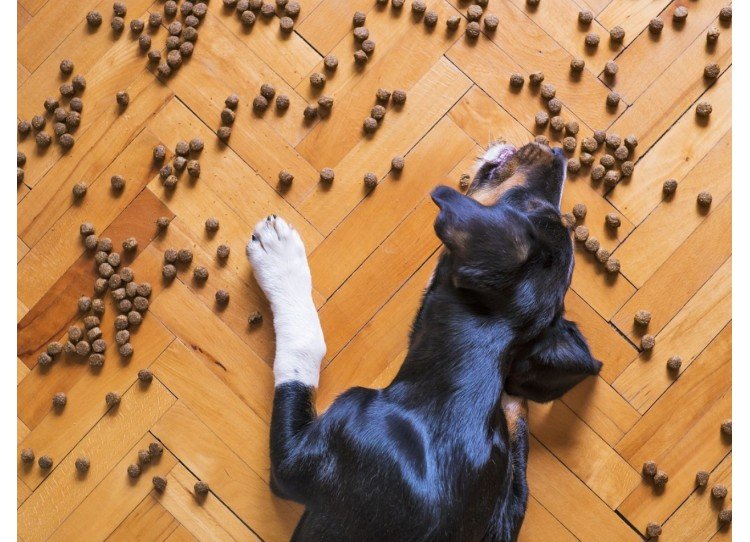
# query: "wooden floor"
(370, 254)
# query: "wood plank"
(429, 99)
(22, 492)
(646, 58)
(181, 534)
(675, 154)
(674, 220)
(230, 479)
(207, 518)
(701, 448)
(217, 406)
(696, 518)
(539, 524)
(632, 16)
(707, 378)
(229, 358)
(555, 487)
(148, 521)
(675, 90)
(645, 379)
(46, 509)
(21, 370)
(116, 497)
(703, 253)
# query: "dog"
(440, 453)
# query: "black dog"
(440, 454)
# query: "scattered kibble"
(669, 187)
(610, 68)
(453, 22)
(653, 530)
(581, 233)
(144, 457)
(397, 163)
(126, 350)
(541, 119)
(585, 17)
(655, 26)
(712, 35)
(371, 180)
(45, 462)
(516, 80)
(222, 297)
(592, 39)
(711, 71)
(83, 464)
(27, 455)
(222, 252)
(473, 30)
(144, 375)
(725, 516)
(674, 363)
(592, 245)
(160, 483)
(123, 98)
(94, 19)
(701, 478)
(200, 273)
(285, 178)
(719, 491)
(59, 400)
(613, 98)
(726, 427)
(642, 317)
(680, 14)
(648, 342)
(661, 478)
(579, 211)
(705, 199)
(369, 125)
(491, 22)
(223, 133)
(201, 488)
(310, 112)
(612, 266)
(568, 220)
(134, 470)
(703, 109)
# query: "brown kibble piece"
(222, 252)
(648, 342)
(134, 470)
(112, 399)
(577, 65)
(712, 35)
(711, 71)
(94, 19)
(169, 271)
(705, 199)
(703, 109)
(330, 62)
(617, 34)
(27, 455)
(201, 488)
(674, 363)
(397, 163)
(45, 462)
(326, 175)
(453, 22)
(579, 211)
(661, 478)
(83, 464)
(653, 530)
(126, 350)
(122, 337)
(255, 318)
(541, 119)
(585, 17)
(516, 80)
(317, 79)
(610, 68)
(592, 39)
(371, 180)
(569, 144)
(669, 187)
(726, 427)
(701, 478)
(642, 317)
(574, 165)
(613, 98)
(160, 483)
(473, 30)
(548, 91)
(592, 245)
(656, 26)
(725, 516)
(200, 273)
(59, 400)
(612, 266)
(144, 375)
(680, 14)
(222, 297)
(224, 133)
(369, 125)
(285, 178)
(212, 224)
(581, 233)
(568, 220)
(719, 491)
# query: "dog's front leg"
(281, 269)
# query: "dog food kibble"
(201, 488)
(371, 180)
(516, 80)
(155, 449)
(491, 23)
(579, 211)
(54, 348)
(66, 141)
(655, 26)
(66, 66)
(44, 359)
(117, 24)
(317, 79)
(126, 350)
(568, 220)
(613, 98)
(703, 109)
(24, 127)
(613, 221)
(106, 270)
(592, 39)
(222, 252)
(725, 14)
(72, 119)
(200, 274)
(542, 139)
(121, 322)
(711, 71)
(140, 303)
(726, 427)
(653, 530)
(358, 19)
(642, 317)
(123, 98)
(160, 152)
(94, 19)
(418, 6)
(369, 125)
(134, 318)
(585, 17)
(581, 233)
(473, 30)
(99, 346)
(84, 304)
(117, 182)
(627, 168)
(577, 65)
(122, 337)
(144, 375)
(453, 22)
(222, 297)
(169, 271)
(91, 242)
(144, 42)
(255, 318)
(59, 400)
(160, 483)
(45, 462)
(536, 78)
(377, 112)
(586, 158)
(224, 133)
(660, 478)
(680, 14)
(592, 245)
(59, 128)
(719, 491)
(574, 165)
(541, 119)
(134, 470)
(622, 153)
(474, 13)
(112, 399)
(569, 144)
(163, 69)
(610, 68)
(171, 255)
(43, 139)
(144, 457)
(669, 187)
(705, 199)
(285, 178)
(162, 223)
(75, 334)
(136, 26)
(589, 144)
(674, 363)
(648, 342)
(397, 163)
(617, 34)
(571, 127)
(612, 266)
(27, 455)
(227, 116)
(368, 46)
(725, 516)
(97, 305)
(548, 91)
(712, 35)
(557, 123)
(325, 103)
(267, 91)
(701, 478)
(94, 333)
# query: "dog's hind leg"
(516, 412)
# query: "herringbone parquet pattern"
(370, 254)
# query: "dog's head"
(509, 254)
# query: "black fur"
(431, 456)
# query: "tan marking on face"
(490, 195)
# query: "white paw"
(280, 266)
(279, 261)
(497, 153)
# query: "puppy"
(439, 454)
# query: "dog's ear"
(489, 243)
(552, 364)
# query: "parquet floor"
(370, 254)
